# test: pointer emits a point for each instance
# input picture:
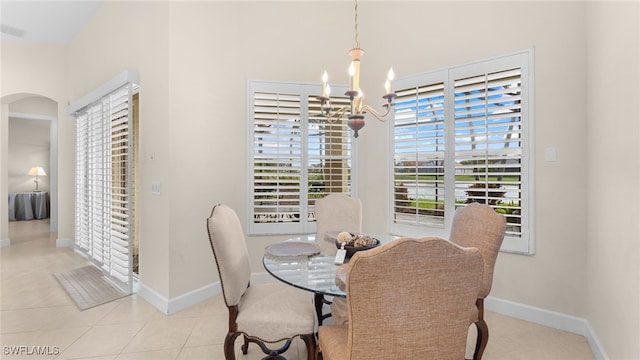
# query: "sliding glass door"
(105, 184)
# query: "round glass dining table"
(315, 273)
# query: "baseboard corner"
(594, 343)
(548, 318)
(65, 243)
(171, 306)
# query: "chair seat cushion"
(273, 312)
(333, 341)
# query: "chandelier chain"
(357, 43)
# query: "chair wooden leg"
(310, 342)
(483, 331)
(245, 346)
(229, 345)
(482, 340)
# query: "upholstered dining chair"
(337, 212)
(264, 314)
(406, 299)
(480, 226)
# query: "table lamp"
(36, 171)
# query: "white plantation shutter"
(277, 158)
(419, 154)
(464, 135)
(121, 184)
(488, 142)
(295, 156)
(83, 198)
(104, 183)
(329, 153)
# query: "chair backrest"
(338, 212)
(480, 226)
(411, 299)
(230, 251)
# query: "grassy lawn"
(462, 178)
(427, 204)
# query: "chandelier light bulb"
(325, 78)
(387, 84)
(352, 77)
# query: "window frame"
(525, 244)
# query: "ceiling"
(48, 22)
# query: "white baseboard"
(5, 242)
(65, 243)
(594, 344)
(548, 318)
(174, 305)
(194, 297)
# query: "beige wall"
(195, 58)
(30, 142)
(134, 35)
(28, 147)
(613, 229)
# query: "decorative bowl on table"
(354, 242)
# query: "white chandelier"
(357, 109)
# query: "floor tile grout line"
(75, 341)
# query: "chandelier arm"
(381, 117)
(337, 114)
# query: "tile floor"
(36, 312)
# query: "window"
(463, 135)
(295, 157)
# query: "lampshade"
(36, 171)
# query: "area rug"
(88, 287)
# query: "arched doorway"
(38, 111)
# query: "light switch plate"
(550, 154)
(155, 188)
